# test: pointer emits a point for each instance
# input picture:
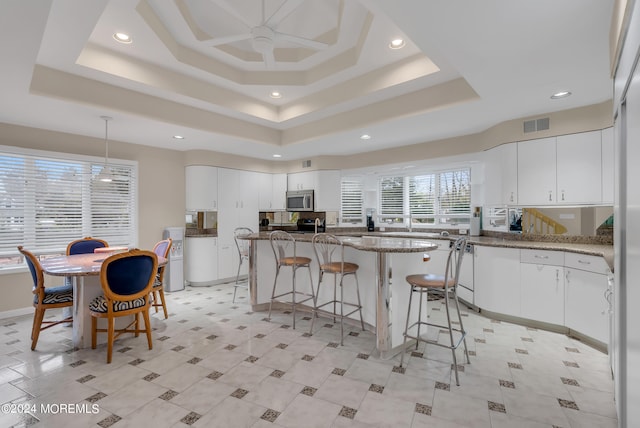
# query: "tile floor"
(217, 364)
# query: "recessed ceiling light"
(277, 156)
(397, 44)
(122, 37)
(562, 94)
(365, 137)
(275, 94)
(178, 137)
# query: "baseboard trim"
(16, 313)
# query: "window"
(351, 200)
(46, 202)
(430, 199)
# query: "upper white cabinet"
(579, 168)
(301, 180)
(273, 189)
(561, 170)
(326, 185)
(537, 172)
(608, 165)
(201, 188)
(501, 175)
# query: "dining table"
(84, 269)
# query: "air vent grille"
(536, 125)
(306, 164)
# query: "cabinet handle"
(584, 262)
(511, 197)
(541, 257)
(562, 195)
(550, 192)
(566, 277)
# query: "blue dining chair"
(45, 298)
(85, 245)
(126, 279)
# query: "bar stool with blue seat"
(284, 250)
(126, 279)
(329, 251)
(45, 298)
(445, 287)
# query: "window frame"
(87, 164)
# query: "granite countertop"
(418, 241)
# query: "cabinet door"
(586, 306)
(608, 165)
(301, 180)
(327, 191)
(542, 293)
(201, 188)
(537, 172)
(279, 189)
(265, 191)
(509, 168)
(247, 215)
(579, 168)
(497, 279)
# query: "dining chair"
(243, 253)
(161, 249)
(45, 298)
(85, 245)
(440, 287)
(126, 279)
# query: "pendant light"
(106, 175)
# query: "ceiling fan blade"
(283, 11)
(269, 59)
(231, 11)
(301, 41)
(229, 39)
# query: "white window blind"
(438, 198)
(46, 202)
(351, 200)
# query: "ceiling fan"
(264, 36)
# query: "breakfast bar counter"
(384, 301)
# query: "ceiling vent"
(536, 125)
(306, 164)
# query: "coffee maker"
(370, 224)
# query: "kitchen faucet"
(316, 223)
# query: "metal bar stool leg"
(462, 330)
(453, 347)
(406, 328)
(273, 293)
(355, 275)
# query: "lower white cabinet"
(497, 279)
(586, 292)
(542, 285)
(201, 260)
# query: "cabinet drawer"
(587, 263)
(542, 257)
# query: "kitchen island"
(384, 299)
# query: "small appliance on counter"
(370, 223)
(174, 272)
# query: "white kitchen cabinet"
(537, 172)
(497, 279)
(201, 188)
(608, 166)
(586, 304)
(201, 260)
(326, 186)
(238, 207)
(279, 192)
(301, 180)
(542, 285)
(579, 168)
(501, 175)
(327, 191)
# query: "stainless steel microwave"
(300, 200)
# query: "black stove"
(308, 225)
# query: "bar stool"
(243, 254)
(284, 250)
(442, 287)
(329, 252)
